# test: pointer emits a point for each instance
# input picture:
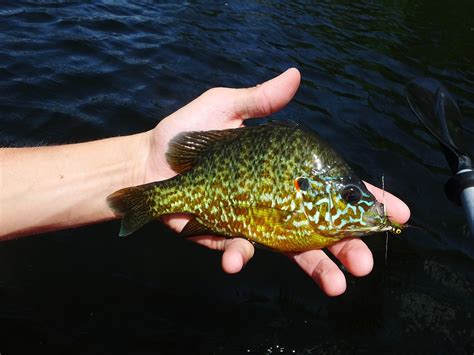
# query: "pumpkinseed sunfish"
(277, 184)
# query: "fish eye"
(351, 194)
(302, 183)
(397, 231)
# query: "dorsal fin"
(186, 146)
(284, 123)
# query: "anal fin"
(194, 228)
(262, 246)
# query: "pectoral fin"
(269, 215)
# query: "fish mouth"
(376, 216)
(380, 209)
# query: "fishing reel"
(439, 113)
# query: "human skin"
(57, 187)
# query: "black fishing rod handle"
(458, 183)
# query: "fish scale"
(278, 185)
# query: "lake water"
(73, 71)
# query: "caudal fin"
(131, 204)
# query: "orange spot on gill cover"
(297, 186)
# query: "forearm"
(50, 188)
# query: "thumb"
(267, 98)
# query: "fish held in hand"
(277, 184)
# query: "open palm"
(222, 108)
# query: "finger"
(237, 253)
(397, 210)
(210, 241)
(354, 255)
(322, 270)
(267, 98)
(176, 221)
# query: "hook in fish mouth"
(380, 208)
(379, 221)
(377, 212)
(388, 225)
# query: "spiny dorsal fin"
(186, 146)
(284, 123)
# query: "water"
(74, 72)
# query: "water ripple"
(75, 71)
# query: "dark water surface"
(72, 71)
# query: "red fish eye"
(351, 194)
(302, 183)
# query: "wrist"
(137, 150)
(156, 166)
(66, 186)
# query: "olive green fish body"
(277, 185)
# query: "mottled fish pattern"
(276, 184)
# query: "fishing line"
(329, 191)
(385, 216)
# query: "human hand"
(222, 108)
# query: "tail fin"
(131, 204)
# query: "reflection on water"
(73, 72)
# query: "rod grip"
(459, 182)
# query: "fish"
(278, 185)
